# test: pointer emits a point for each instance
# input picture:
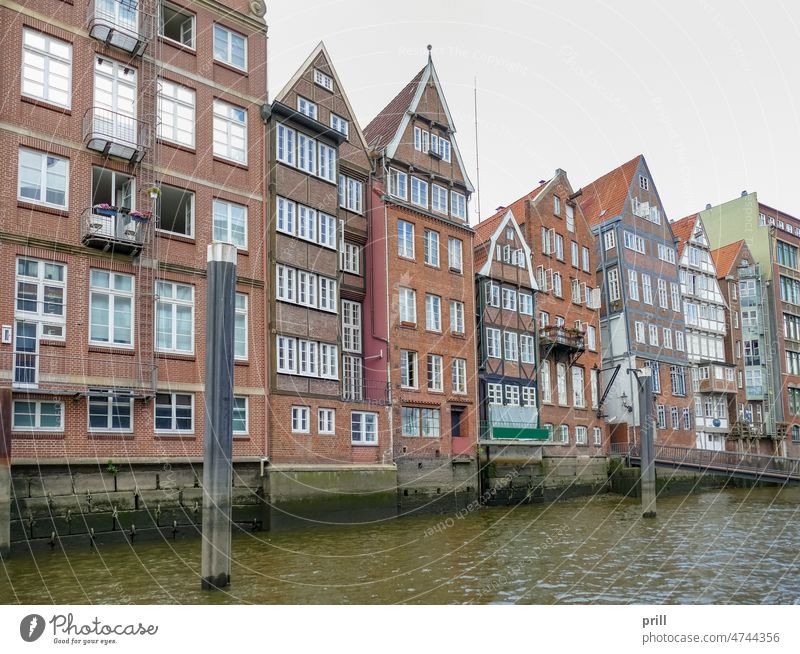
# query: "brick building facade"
(131, 139)
(641, 318)
(423, 189)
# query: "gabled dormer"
(414, 136)
(506, 251)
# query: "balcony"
(746, 429)
(116, 23)
(565, 338)
(114, 134)
(713, 385)
(365, 392)
(493, 430)
(111, 229)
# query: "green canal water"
(732, 546)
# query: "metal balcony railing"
(367, 392)
(107, 229)
(117, 23)
(553, 335)
(115, 134)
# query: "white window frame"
(435, 372)
(44, 177)
(301, 419)
(458, 205)
(407, 305)
(398, 183)
(109, 398)
(241, 324)
(456, 317)
(223, 230)
(228, 125)
(37, 416)
(431, 247)
(326, 421)
(439, 199)
(113, 294)
(433, 312)
(173, 429)
(339, 124)
(52, 60)
(238, 400)
(455, 254)
(494, 347)
(458, 376)
(172, 99)
(307, 107)
(227, 56)
(45, 320)
(286, 144)
(174, 303)
(409, 369)
(405, 239)
(419, 192)
(351, 326)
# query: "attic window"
(325, 81)
(644, 183)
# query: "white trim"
(509, 217)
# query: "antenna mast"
(477, 158)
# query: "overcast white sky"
(708, 91)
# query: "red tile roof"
(725, 257)
(383, 127)
(605, 197)
(485, 228)
(682, 230)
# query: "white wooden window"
(230, 47)
(110, 412)
(439, 199)
(405, 239)
(509, 299)
(644, 183)
(363, 428)
(663, 300)
(306, 107)
(174, 412)
(494, 393)
(37, 416)
(455, 254)
(435, 372)
(458, 205)
(325, 81)
(510, 346)
(43, 178)
(327, 294)
(647, 289)
(398, 184)
(241, 421)
(41, 296)
(327, 171)
(46, 68)
(230, 223)
(174, 317)
(591, 337)
(306, 153)
(492, 294)
(570, 218)
(433, 313)
(351, 194)
(528, 396)
(526, 348)
(230, 132)
(111, 303)
(176, 113)
(307, 289)
(544, 383)
(493, 348)
(326, 421)
(240, 327)
(578, 390)
(609, 239)
(327, 231)
(633, 284)
(351, 258)
(408, 369)
(351, 326)
(459, 375)
(177, 24)
(581, 435)
(419, 192)
(526, 304)
(456, 317)
(561, 383)
(287, 141)
(585, 259)
(431, 247)
(340, 124)
(407, 305)
(301, 419)
(287, 354)
(307, 223)
(598, 436)
(512, 394)
(653, 334)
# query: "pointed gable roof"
(682, 230)
(281, 96)
(384, 126)
(507, 218)
(385, 130)
(726, 256)
(605, 197)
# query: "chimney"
(744, 193)
(708, 205)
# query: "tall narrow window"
(110, 308)
(46, 68)
(176, 113)
(175, 317)
(230, 132)
(240, 328)
(41, 288)
(405, 239)
(230, 223)
(454, 254)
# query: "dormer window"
(644, 183)
(325, 81)
(306, 107)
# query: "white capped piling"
(218, 436)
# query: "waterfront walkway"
(736, 464)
